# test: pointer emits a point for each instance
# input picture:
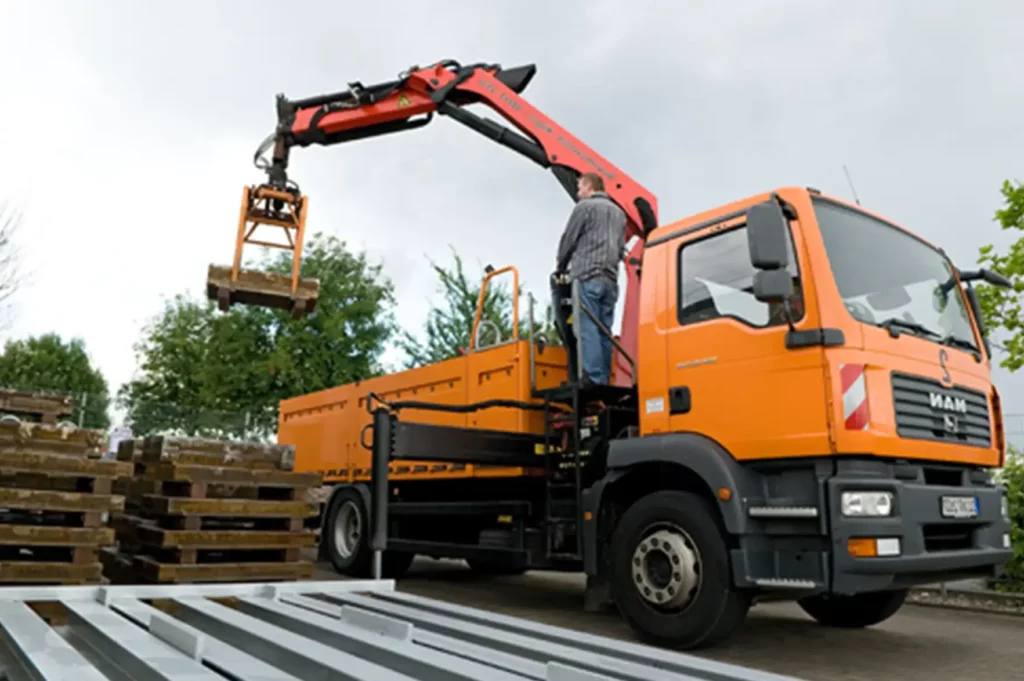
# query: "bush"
(1012, 475)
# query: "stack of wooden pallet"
(201, 510)
(55, 495)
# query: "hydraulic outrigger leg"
(270, 207)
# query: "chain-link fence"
(1015, 430)
(104, 412)
(100, 411)
(188, 420)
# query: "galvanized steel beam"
(328, 631)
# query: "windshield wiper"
(953, 341)
(894, 325)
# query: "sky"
(128, 131)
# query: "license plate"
(959, 507)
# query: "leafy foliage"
(47, 364)
(1002, 309)
(1012, 475)
(215, 374)
(449, 325)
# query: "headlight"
(867, 503)
(1006, 507)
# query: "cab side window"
(716, 280)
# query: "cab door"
(730, 375)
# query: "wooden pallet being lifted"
(207, 510)
(54, 499)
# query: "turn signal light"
(872, 547)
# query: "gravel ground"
(918, 644)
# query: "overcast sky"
(130, 126)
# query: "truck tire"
(854, 612)
(670, 575)
(346, 539)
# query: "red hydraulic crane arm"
(447, 88)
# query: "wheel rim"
(666, 568)
(347, 529)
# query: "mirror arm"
(788, 210)
(787, 313)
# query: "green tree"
(1002, 308)
(449, 325)
(47, 364)
(207, 373)
(1012, 475)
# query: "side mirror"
(996, 279)
(767, 236)
(987, 276)
(773, 286)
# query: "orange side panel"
(326, 427)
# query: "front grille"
(927, 410)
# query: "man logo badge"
(948, 403)
(951, 406)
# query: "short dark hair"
(594, 180)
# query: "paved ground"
(918, 644)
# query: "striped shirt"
(594, 239)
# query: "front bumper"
(933, 548)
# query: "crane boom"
(445, 88)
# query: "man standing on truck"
(591, 248)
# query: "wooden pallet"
(198, 514)
(207, 452)
(47, 439)
(46, 407)
(52, 513)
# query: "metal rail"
(297, 631)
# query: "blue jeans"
(599, 294)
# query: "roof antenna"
(852, 188)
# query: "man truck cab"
(814, 374)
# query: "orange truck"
(801, 407)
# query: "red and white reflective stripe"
(855, 396)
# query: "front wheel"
(346, 537)
(670, 573)
(854, 612)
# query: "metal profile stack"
(344, 630)
(201, 510)
(55, 495)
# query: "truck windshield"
(888, 278)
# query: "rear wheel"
(346, 537)
(670, 573)
(854, 612)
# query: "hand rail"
(483, 295)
